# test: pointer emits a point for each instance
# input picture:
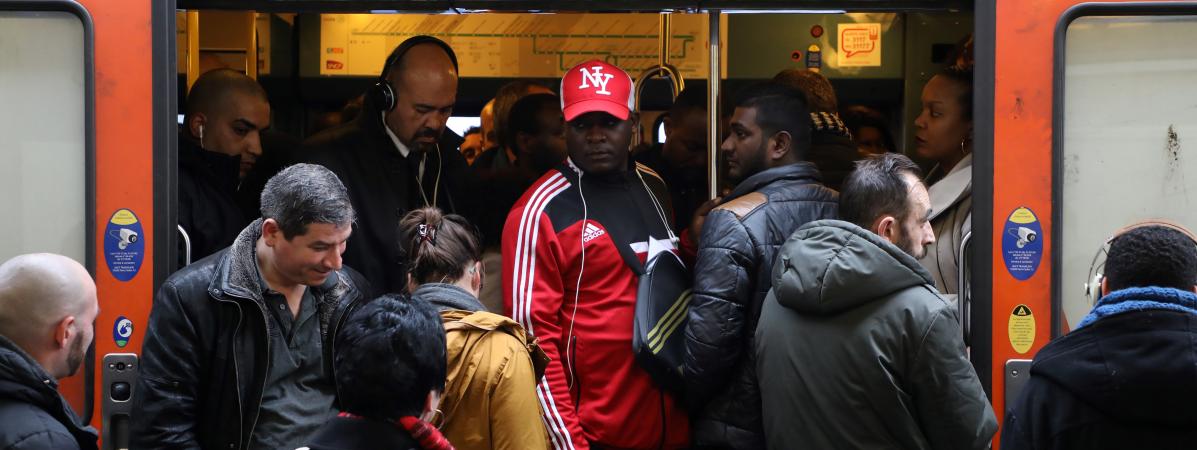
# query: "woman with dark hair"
(944, 135)
(869, 130)
(489, 400)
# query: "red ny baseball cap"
(597, 86)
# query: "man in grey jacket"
(855, 347)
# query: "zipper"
(262, 387)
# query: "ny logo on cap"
(598, 79)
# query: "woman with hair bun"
(490, 398)
(944, 135)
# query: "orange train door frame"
(79, 387)
(1019, 89)
(134, 168)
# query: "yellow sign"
(859, 45)
(124, 217)
(516, 45)
(1021, 329)
(1022, 216)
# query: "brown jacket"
(490, 397)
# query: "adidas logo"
(592, 231)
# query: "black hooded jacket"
(32, 413)
(732, 275)
(383, 187)
(1125, 381)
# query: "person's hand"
(700, 216)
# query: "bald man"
(219, 144)
(47, 311)
(398, 156)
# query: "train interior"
(313, 64)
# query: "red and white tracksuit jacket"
(593, 391)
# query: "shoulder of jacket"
(743, 205)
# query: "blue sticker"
(1022, 244)
(124, 247)
(122, 330)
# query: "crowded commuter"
(48, 309)
(237, 351)
(944, 135)
(777, 191)
(486, 119)
(503, 154)
(855, 348)
(682, 159)
(218, 145)
(573, 248)
(831, 148)
(869, 129)
(537, 138)
(1124, 377)
(489, 400)
(390, 370)
(471, 144)
(397, 155)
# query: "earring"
(963, 142)
(201, 136)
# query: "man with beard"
(48, 309)
(573, 249)
(396, 156)
(778, 192)
(855, 347)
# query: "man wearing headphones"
(397, 155)
(1126, 377)
(574, 248)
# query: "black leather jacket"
(206, 354)
(32, 413)
(732, 275)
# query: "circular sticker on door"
(124, 247)
(1022, 243)
(122, 330)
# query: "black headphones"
(1097, 266)
(381, 92)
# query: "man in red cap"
(573, 248)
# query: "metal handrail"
(964, 289)
(186, 245)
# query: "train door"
(1089, 105)
(79, 128)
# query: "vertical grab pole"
(713, 103)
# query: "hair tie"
(427, 233)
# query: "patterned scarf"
(423, 432)
(829, 123)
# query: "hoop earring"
(963, 143)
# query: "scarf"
(423, 432)
(1141, 299)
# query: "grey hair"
(304, 194)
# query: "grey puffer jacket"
(735, 258)
(856, 350)
(32, 414)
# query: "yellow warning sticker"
(1021, 329)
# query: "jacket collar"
(447, 296)
(218, 168)
(1142, 299)
(953, 187)
(797, 171)
(24, 380)
(237, 271)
